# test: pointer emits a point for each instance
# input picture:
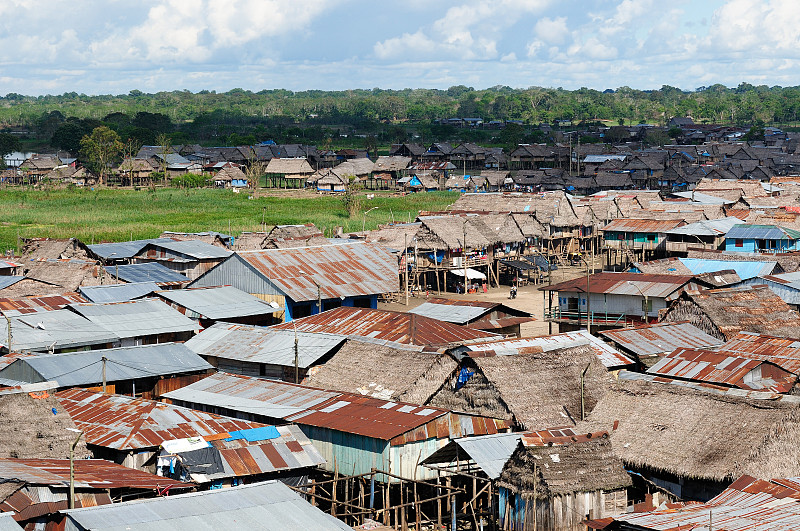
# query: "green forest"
(364, 118)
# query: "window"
(739, 242)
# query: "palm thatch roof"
(587, 466)
(230, 173)
(289, 167)
(528, 225)
(359, 167)
(47, 277)
(447, 232)
(505, 228)
(383, 372)
(396, 237)
(693, 434)
(36, 426)
(291, 236)
(45, 248)
(537, 390)
(250, 241)
(391, 164)
(723, 313)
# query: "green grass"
(118, 215)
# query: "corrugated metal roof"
(89, 473)
(406, 328)
(7, 280)
(86, 367)
(713, 227)
(719, 368)
(196, 249)
(748, 504)
(643, 225)
(634, 284)
(138, 318)
(339, 270)
(489, 452)
(251, 395)
(125, 423)
(269, 506)
(705, 199)
(7, 523)
(781, 351)
(23, 305)
(449, 312)
(53, 330)
(744, 268)
(123, 250)
(147, 272)
(117, 292)
(224, 302)
(263, 345)
(609, 356)
(660, 338)
(762, 232)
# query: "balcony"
(556, 315)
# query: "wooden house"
(291, 236)
(645, 235)
(747, 238)
(481, 315)
(207, 306)
(387, 171)
(133, 172)
(288, 172)
(552, 483)
(231, 177)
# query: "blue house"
(747, 238)
(307, 280)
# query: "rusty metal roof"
(125, 423)
(339, 270)
(89, 473)
(23, 305)
(781, 351)
(660, 338)
(748, 504)
(724, 369)
(609, 356)
(643, 225)
(384, 325)
(559, 436)
(624, 284)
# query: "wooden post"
(334, 485)
(416, 507)
(403, 519)
(438, 500)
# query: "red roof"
(617, 283)
(124, 423)
(383, 325)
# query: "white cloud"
(766, 26)
(552, 31)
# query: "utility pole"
(464, 254)
(296, 358)
(72, 469)
(588, 296)
(104, 360)
(405, 265)
(8, 322)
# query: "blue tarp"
(439, 256)
(463, 377)
(255, 434)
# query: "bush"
(191, 180)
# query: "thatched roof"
(529, 225)
(395, 237)
(504, 227)
(327, 177)
(395, 163)
(447, 232)
(723, 313)
(31, 430)
(249, 241)
(587, 466)
(289, 167)
(47, 277)
(38, 248)
(538, 390)
(355, 167)
(383, 372)
(230, 173)
(291, 236)
(697, 435)
(135, 165)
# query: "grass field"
(118, 215)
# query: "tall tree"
(100, 149)
(8, 144)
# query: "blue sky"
(112, 46)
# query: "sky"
(113, 47)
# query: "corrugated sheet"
(761, 232)
(488, 452)
(713, 227)
(724, 369)
(7, 523)
(54, 330)
(126, 423)
(8, 280)
(385, 325)
(117, 292)
(339, 270)
(778, 350)
(255, 396)
(127, 363)
(147, 272)
(608, 356)
(123, 250)
(660, 338)
(19, 306)
(89, 473)
(224, 302)
(449, 312)
(643, 225)
(263, 345)
(661, 286)
(196, 249)
(745, 269)
(270, 505)
(138, 318)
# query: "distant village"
(590, 337)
